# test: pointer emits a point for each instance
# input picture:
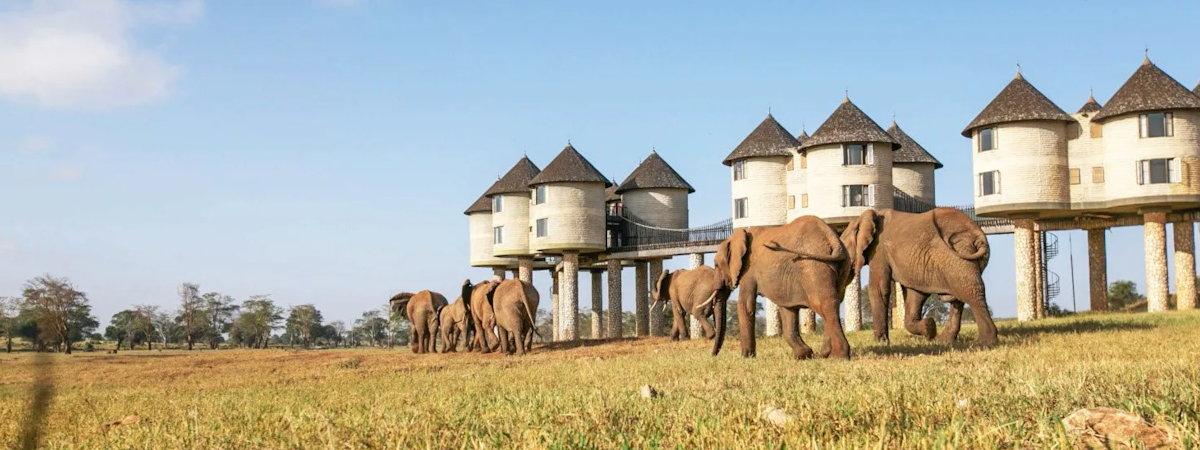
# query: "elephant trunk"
(720, 300)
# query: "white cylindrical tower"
(656, 195)
(1019, 153)
(510, 210)
(1085, 157)
(482, 236)
(912, 171)
(568, 206)
(759, 175)
(796, 174)
(849, 165)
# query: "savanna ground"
(909, 394)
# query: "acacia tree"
(259, 317)
(219, 311)
(62, 312)
(192, 319)
(144, 321)
(10, 307)
(122, 327)
(371, 327)
(304, 323)
(165, 325)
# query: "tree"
(62, 312)
(166, 326)
(10, 308)
(123, 327)
(335, 333)
(304, 324)
(219, 311)
(144, 321)
(1123, 294)
(192, 318)
(258, 319)
(371, 327)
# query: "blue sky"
(323, 151)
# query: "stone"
(775, 416)
(1114, 428)
(648, 392)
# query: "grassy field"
(909, 394)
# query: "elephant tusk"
(706, 302)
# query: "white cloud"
(66, 174)
(81, 53)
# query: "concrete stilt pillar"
(808, 321)
(1039, 267)
(1097, 269)
(597, 304)
(1185, 265)
(897, 306)
(525, 269)
(568, 298)
(555, 310)
(498, 273)
(852, 303)
(641, 322)
(614, 299)
(695, 260)
(1026, 276)
(1154, 227)
(771, 313)
(656, 311)
(514, 274)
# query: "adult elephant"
(514, 304)
(941, 251)
(798, 265)
(422, 309)
(455, 323)
(690, 292)
(482, 316)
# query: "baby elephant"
(690, 292)
(455, 323)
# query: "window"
(987, 139)
(497, 204)
(858, 195)
(1073, 175)
(803, 200)
(739, 170)
(858, 154)
(804, 160)
(989, 183)
(740, 208)
(1097, 130)
(541, 227)
(791, 202)
(1158, 171)
(497, 235)
(1154, 125)
(539, 194)
(1097, 174)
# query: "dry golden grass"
(909, 394)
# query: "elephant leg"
(519, 339)
(678, 331)
(706, 327)
(790, 319)
(914, 304)
(835, 345)
(953, 323)
(747, 299)
(879, 292)
(976, 298)
(502, 339)
(492, 332)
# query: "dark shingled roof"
(1016, 102)
(1196, 90)
(1090, 107)
(803, 136)
(769, 138)
(610, 193)
(516, 180)
(1149, 88)
(848, 124)
(569, 166)
(654, 172)
(483, 204)
(910, 151)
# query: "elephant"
(455, 322)
(941, 251)
(802, 264)
(482, 316)
(422, 309)
(690, 292)
(515, 305)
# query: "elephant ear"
(465, 297)
(488, 290)
(857, 238)
(731, 258)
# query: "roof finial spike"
(845, 95)
(1018, 75)
(1091, 94)
(653, 150)
(1146, 58)
(893, 118)
(768, 110)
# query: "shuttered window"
(803, 200)
(497, 204)
(539, 194)
(1097, 130)
(740, 208)
(739, 170)
(497, 235)
(1097, 174)
(858, 154)
(541, 227)
(857, 195)
(791, 202)
(1073, 176)
(987, 139)
(1159, 124)
(1158, 171)
(989, 183)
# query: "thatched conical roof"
(803, 136)
(610, 193)
(1090, 107)
(482, 205)
(1148, 89)
(848, 124)
(910, 151)
(654, 172)
(769, 138)
(569, 166)
(1018, 101)
(516, 180)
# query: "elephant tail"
(837, 255)
(720, 299)
(532, 320)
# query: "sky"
(323, 151)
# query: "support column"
(1154, 227)
(1097, 269)
(656, 311)
(1026, 276)
(498, 273)
(525, 269)
(614, 299)
(897, 307)
(695, 261)
(641, 322)
(1185, 265)
(852, 316)
(808, 321)
(514, 274)
(597, 304)
(568, 298)
(555, 310)
(1039, 267)
(771, 313)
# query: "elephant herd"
(803, 264)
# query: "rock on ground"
(1114, 428)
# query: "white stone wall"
(514, 217)
(576, 218)
(797, 186)
(827, 174)
(479, 227)
(915, 179)
(664, 208)
(1085, 153)
(1123, 148)
(765, 188)
(1032, 159)
(1155, 238)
